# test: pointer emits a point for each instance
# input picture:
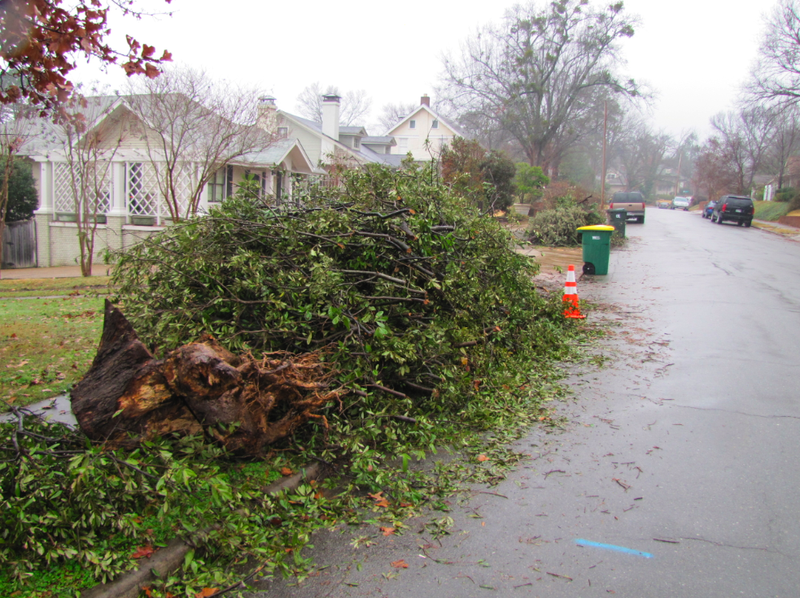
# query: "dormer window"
(435, 124)
(356, 143)
(412, 124)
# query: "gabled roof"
(276, 153)
(359, 131)
(364, 154)
(423, 107)
(44, 135)
(47, 137)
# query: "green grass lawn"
(47, 343)
(770, 210)
(43, 287)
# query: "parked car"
(632, 201)
(681, 203)
(663, 204)
(733, 208)
(709, 209)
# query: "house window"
(435, 124)
(229, 181)
(283, 132)
(216, 187)
(278, 184)
(356, 143)
(402, 144)
(412, 124)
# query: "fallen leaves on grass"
(482, 458)
(379, 499)
(143, 552)
(388, 531)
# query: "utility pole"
(603, 176)
(678, 180)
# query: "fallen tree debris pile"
(243, 403)
(415, 295)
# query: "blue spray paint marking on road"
(646, 555)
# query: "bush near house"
(568, 207)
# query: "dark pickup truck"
(632, 201)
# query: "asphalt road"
(677, 474)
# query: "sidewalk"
(790, 232)
(57, 272)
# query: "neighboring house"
(328, 141)
(423, 133)
(615, 182)
(129, 197)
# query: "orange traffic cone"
(571, 307)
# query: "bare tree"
(541, 71)
(355, 105)
(776, 75)
(90, 145)
(744, 139)
(640, 153)
(714, 174)
(785, 141)
(195, 126)
(391, 114)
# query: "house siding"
(419, 134)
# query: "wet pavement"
(57, 409)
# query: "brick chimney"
(425, 100)
(266, 118)
(330, 115)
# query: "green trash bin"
(596, 248)
(617, 218)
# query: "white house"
(423, 133)
(128, 188)
(328, 141)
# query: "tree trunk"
(129, 396)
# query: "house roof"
(276, 153)
(417, 110)
(379, 140)
(360, 131)
(363, 154)
(47, 137)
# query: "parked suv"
(734, 208)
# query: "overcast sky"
(693, 53)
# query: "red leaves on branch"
(40, 41)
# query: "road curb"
(170, 558)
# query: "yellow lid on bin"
(597, 227)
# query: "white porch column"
(118, 209)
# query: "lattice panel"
(183, 185)
(144, 192)
(62, 191)
(142, 189)
(98, 193)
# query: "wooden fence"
(19, 245)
